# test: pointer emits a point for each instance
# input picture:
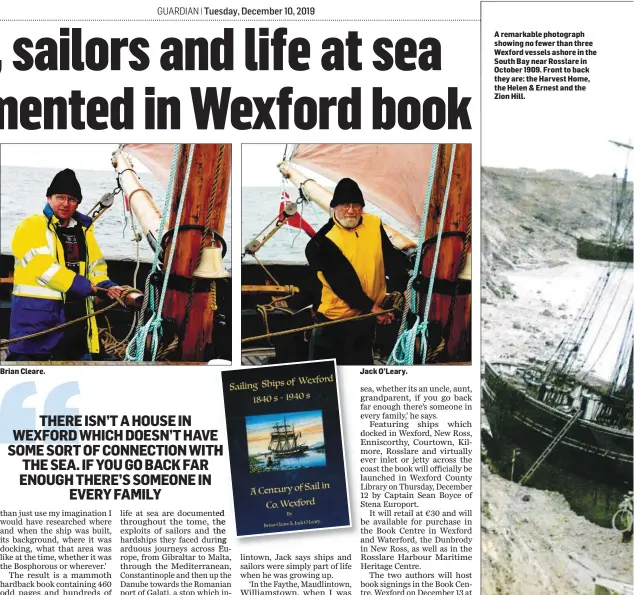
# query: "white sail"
(391, 177)
(156, 157)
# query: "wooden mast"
(141, 202)
(209, 163)
(457, 219)
(451, 301)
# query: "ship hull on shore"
(604, 251)
(590, 449)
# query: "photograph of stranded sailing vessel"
(115, 253)
(557, 376)
(557, 367)
(356, 252)
(557, 311)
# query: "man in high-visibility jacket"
(58, 266)
(350, 256)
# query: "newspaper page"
(315, 299)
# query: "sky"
(590, 155)
(309, 423)
(259, 164)
(76, 157)
(262, 160)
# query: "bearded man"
(349, 256)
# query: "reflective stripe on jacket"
(41, 282)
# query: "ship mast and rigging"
(615, 244)
(571, 409)
(420, 186)
(284, 439)
(186, 290)
(197, 178)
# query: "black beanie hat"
(65, 182)
(346, 191)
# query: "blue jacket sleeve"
(80, 286)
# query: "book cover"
(285, 448)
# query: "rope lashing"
(116, 348)
(266, 309)
(262, 309)
(213, 304)
(405, 347)
(136, 348)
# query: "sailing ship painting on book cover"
(285, 448)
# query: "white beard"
(350, 222)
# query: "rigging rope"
(617, 324)
(624, 355)
(568, 358)
(432, 276)
(463, 259)
(137, 239)
(254, 245)
(136, 348)
(133, 348)
(206, 229)
(117, 302)
(405, 347)
(266, 270)
(117, 349)
(301, 214)
(405, 344)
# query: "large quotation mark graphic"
(13, 414)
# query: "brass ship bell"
(211, 266)
(465, 273)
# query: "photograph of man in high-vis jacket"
(58, 267)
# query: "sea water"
(23, 192)
(260, 206)
(311, 458)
